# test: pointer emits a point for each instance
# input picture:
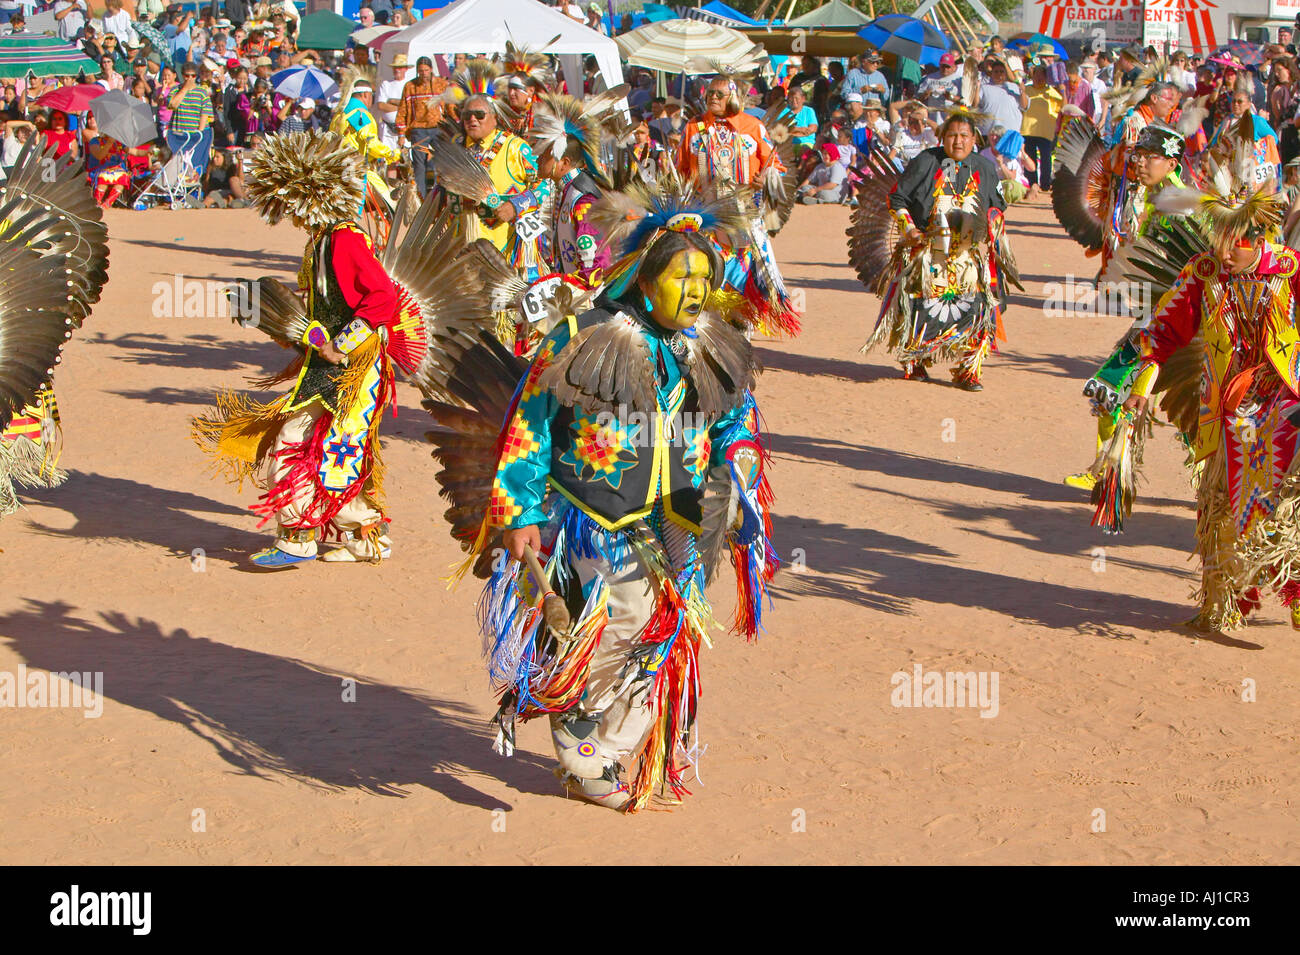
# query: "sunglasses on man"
(479, 114)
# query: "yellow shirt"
(1044, 108)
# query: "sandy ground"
(933, 529)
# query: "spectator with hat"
(942, 89)
(388, 98)
(298, 116)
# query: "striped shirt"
(188, 116)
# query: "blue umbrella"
(907, 36)
(299, 81)
(1038, 39)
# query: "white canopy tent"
(484, 26)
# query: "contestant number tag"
(529, 226)
(538, 294)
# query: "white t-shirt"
(933, 93)
(119, 24)
(388, 90)
(1001, 104)
(70, 25)
(909, 146)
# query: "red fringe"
(674, 697)
(304, 459)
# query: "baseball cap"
(947, 60)
(263, 61)
(832, 151)
(306, 103)
(853, 97)
(232, 63)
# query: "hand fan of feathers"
(779, 188)
(873, 231)
(1079, 184)
(458, 171)
(38, 294)
(54, 192)
(482, 382)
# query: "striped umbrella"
(300, 81)
(42, 56)
(906, 36)
(684, 46)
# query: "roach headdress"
(633, 220)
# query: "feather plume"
(458, 171)
(36, 295)
(533, 65)
(50, 201)
(311, 175)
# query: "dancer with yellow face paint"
(630, 462)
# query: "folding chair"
(177, 183)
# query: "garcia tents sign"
(1201, 24)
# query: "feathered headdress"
(633, 220)
(478, 77)
(534, 66)
(1236, 206)
(559, 119)
(314, 176)
(348, 80)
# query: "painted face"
(677, 295)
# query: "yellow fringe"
(238, 434)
